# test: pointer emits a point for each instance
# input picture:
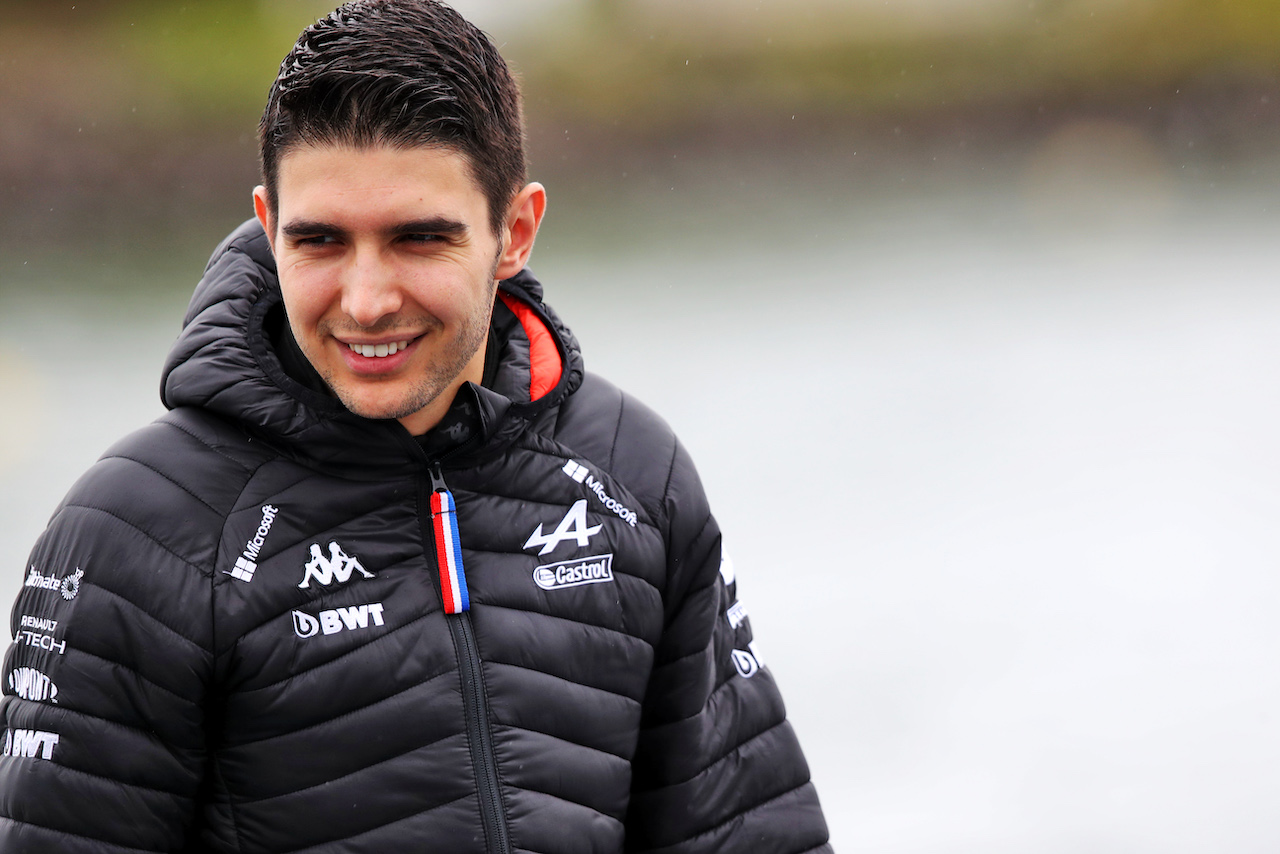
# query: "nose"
(369, 290)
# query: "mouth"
(379, 351)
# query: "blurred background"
(985, 291)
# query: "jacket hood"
(224, 361)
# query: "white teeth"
(378, 351)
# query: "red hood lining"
(545, 365)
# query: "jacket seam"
(94, 839)
(90, 716)
(114, 782)
(576, 622)
(613, 818)
(564, 679)
(617, 430)
(332, 780)
(737, 815)
(328, 842)
(134, 527)
(249, 469)
(348, 713)
(654, 519)
(667, 625)
(152, 617)
(563, 740)
(138, 674)
(737, 748)
(216, 754)
(666, 493)
(166, 477)
(551, 503)
(297, 673)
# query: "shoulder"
(170, 484)
(622, 435)
(129, 553)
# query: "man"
(395, 573)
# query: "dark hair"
(404, 73)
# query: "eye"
(421, 238)
(314, 240)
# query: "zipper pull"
(444, 526)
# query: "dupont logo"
(30, 684)
(247, 562)
(337, 620)
(596, 569)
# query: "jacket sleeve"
(718, 767)
(104, 683)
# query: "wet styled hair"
(404, 73)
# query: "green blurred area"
(121, 118)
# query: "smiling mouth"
(379, 351)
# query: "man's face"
(387, 265)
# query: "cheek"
(306, 297)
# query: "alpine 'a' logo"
(596, 569)
(337, 619)
(336, 566)
(30, 684)
(572, 527)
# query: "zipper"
(457, 604)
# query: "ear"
(263, 211)
(524, 215)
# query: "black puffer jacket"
(233, 635)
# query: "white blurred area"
(995, 459)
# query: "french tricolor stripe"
(453, 581)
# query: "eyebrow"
(431, 225)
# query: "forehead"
(337, 177)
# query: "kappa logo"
(337, 566)
(68, 586)
(336, 620)
(31, 743)
(247, 563)
(30, 684)
(747, 661)
(581, 474)
(596, 569)
(572, 527)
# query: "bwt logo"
(31, 743)
(596, 569)
(336, 620)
